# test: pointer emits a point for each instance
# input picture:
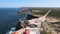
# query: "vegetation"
(54, 12)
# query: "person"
(27, 30)
(15, 33)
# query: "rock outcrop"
(23, 24)
(29, 17)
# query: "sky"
(29, 3)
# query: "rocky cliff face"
(18, 26)
(29, 17)
(23, 24)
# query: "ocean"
(8, 18)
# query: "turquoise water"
(8, 18)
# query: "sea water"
(8, 18)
